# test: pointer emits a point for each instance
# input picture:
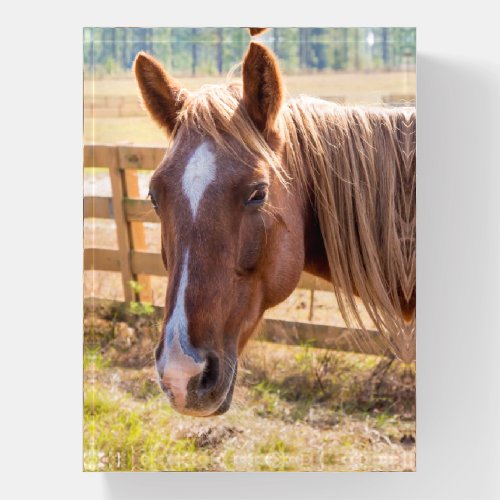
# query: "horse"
(256, 188)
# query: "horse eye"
(153, 202)
(258, 195)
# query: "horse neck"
(316, 261)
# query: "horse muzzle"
(198, 388)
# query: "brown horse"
(253, 190)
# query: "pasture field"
(295, 408)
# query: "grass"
(295, 408)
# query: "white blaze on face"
(199, 173)
(180, 361)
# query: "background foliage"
(211, 51)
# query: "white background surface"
(458, 389)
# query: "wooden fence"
(129, 105)
(135, 263)
(112, 106)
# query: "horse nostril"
(210, 374)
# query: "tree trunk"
(220, 51)
(356, 45)
(276, 41)
(302, 47)
(124, 49)
(385, 52)
(113, 42)
(194, 52)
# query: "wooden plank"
(99, 155)
(122, 232)
(326, 336)
(312, 282)
(151, 263)
(97, 101)
(100, 259)
(109, 260)
(115, 101)
(140, 157)
(99, 207)
(136, 231)
(126, 111)
(91, 112)
(131, 109)
(148, 263)
(140, 210)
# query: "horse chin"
(226, 404)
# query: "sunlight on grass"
(129, 426)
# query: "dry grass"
(295, 408)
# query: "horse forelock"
(215, 111)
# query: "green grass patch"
(295, 408)
(93, 359)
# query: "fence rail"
(134, 262)
(130, 105)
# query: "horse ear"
(161, 94)
(262, 86)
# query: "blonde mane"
(358, 165)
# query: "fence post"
(135, 229)
(122, 233)
(311, 304)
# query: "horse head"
(231, 226)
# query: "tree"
(220, 50)
(385, 53)
(276, 35)
(194, 51)
(197, 51)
